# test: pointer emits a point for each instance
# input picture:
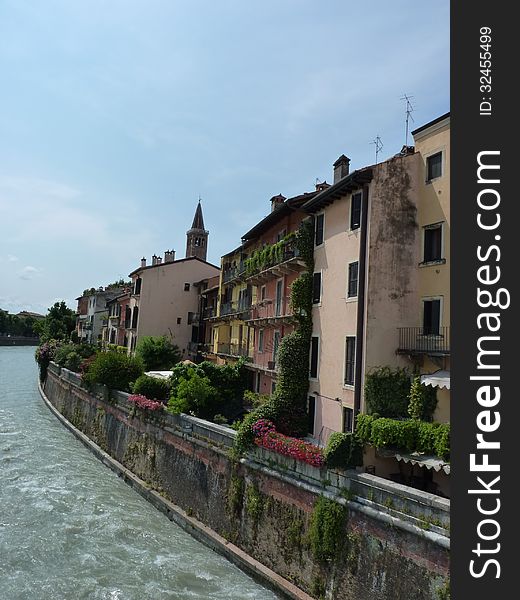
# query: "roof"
(434, 122)
(282, 210)
(348, 184)
(173, 262)
(198, 219)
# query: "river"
(71, 529)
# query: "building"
(381, 280)
(164, 298)
(274, 263)
(92, 313)
(117, 315)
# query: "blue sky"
(116, 115)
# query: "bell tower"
(197, 236)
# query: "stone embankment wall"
(394, 543)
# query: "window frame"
(429, 227)
(440, 299)
(347, 383)
(321, 216)
(428, 157)
(351, 219)
(349, 295)
(317, 302)
(318, 350)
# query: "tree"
(58, 324)
(157, 353)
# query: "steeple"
(197, 236)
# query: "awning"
(423, 460)
(159, 374)
(438, 379)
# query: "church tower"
(197, 236)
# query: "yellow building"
(233, 338)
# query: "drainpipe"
(360, 328)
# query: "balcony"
(267, 311)
(193, 347)
(284, 261)
(232, 273)
(232, 349)
(209, 312)
(417, 340)
(241, 308)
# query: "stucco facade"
(166, 300)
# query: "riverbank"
(396, 540)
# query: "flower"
(145, 403)
(267, 437)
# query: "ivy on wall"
(287, 407)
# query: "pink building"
(270, 315)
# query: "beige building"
(381, 281)
(165, 296)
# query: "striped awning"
(439, 379)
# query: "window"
(319, 229)
(186, 287)
(350, 360)
(135, 316)
(316, 288)
(261, 340)
(190, 317)
(431, 316)
(257, 384)
(432, 243)
(281, 234)
(312, 413)
(315, 343)
(263, 291)
(179, 320)
(276, 343)
(355, 211)
(278, 299)
(348, 419)
(137, 286)
(434, 166)
(352, 279)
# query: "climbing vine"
(287, 407)
(326, 528)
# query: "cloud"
(11, 258)
(29, 273)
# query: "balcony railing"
(418, 340)
(229, 308)
(258, 264)
(269, 310)
(232, 349)
(193, 346)
(233, 272)
(209, 312)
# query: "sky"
(116, 116)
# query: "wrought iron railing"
(422, 340)
(232, 349)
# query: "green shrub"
(442, 441)
(116, 371)
(157, 353)
(326, 528)
(422, 400)
(152, 387)
(194, 395)
(254, 399)
(71, 356)
(364, 427)
(386, 392)
(343, 451)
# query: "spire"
(197, 236)
(198, 220)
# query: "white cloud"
(29, 272)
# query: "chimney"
(168, 256)
(322, 186)
(341, 168)
(159, 260)
(154, 260)
(277, 201)
(143, 262)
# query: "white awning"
(159, 374)
(423, 460)
(438, 379)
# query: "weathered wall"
(262, 512)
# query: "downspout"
(360, 328)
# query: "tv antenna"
(379, 146)
(409, 111)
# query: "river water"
(71, 529)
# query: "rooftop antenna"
(379, 146)
(409, 111)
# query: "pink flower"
(145, 403)
(267, 437)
